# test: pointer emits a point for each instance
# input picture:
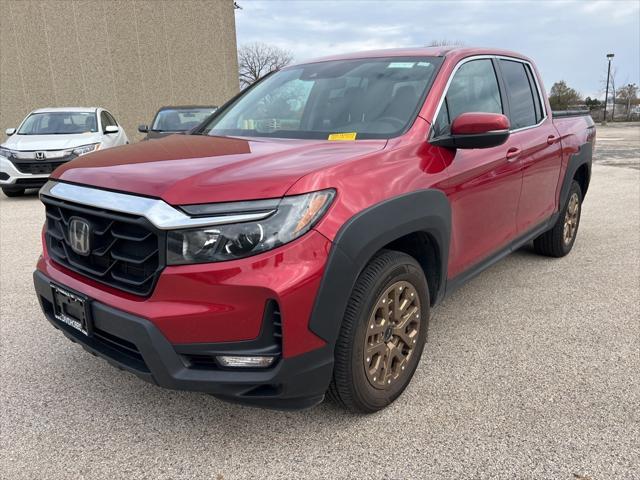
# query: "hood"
(51, 142)
(187, 169)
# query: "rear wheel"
(13, 192)
(559, 241)
(382, 335)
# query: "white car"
(49, 137)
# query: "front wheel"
(559, 241)
(383, 333)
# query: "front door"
(484, 184)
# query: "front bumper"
(136, 345)
(14, 178)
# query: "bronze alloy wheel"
(571, 218)
(559, 239)
(391, 334)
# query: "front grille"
(30, 182)
(37, 168)
(30, 165)
(126, 252)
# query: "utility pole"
(606, 92)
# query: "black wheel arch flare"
(583, 157)
(365, 234)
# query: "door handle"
(551, 139)
(513, 153)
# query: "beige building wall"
(129, 56)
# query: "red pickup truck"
(295, 242)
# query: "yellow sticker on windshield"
(342, 136)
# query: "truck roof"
(444, 51)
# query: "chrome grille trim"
(162, 215)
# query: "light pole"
(606, 92)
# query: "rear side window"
(536, 96)
(525, 109)
(474, 88)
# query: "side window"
(104, 120)
(536, 96)
(111, 120)
(474, 88)
(521, 94)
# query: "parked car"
(295, 243)
(180, 119)
(50, 137)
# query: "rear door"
(540, 151)
(484, 184)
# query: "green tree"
(592, 103)
(562, 96)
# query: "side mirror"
(476, 130)
(111, 129)
(10, 131)
(143, 128)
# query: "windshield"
(365, 98)
(59, 123)
(180, 120)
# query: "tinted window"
(58, 123)
(521, 97)
(370, 98)
(474, 88)
(536, 97)
(104, 120)
(110, 119)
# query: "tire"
(559, 241)
(355, 384)
(13, 192)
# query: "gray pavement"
(617, 144)
(530, 371)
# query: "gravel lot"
(530, 371)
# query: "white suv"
(49, 137)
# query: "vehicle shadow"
(29, 195)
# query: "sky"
(567, 39)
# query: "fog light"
(245, 362)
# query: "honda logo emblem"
(80, 236)
(40, 156)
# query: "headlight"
(86, 149)
(5, 152)
(294, 216)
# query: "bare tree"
(628, 95)
(256, 59)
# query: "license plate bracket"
(72, 309)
